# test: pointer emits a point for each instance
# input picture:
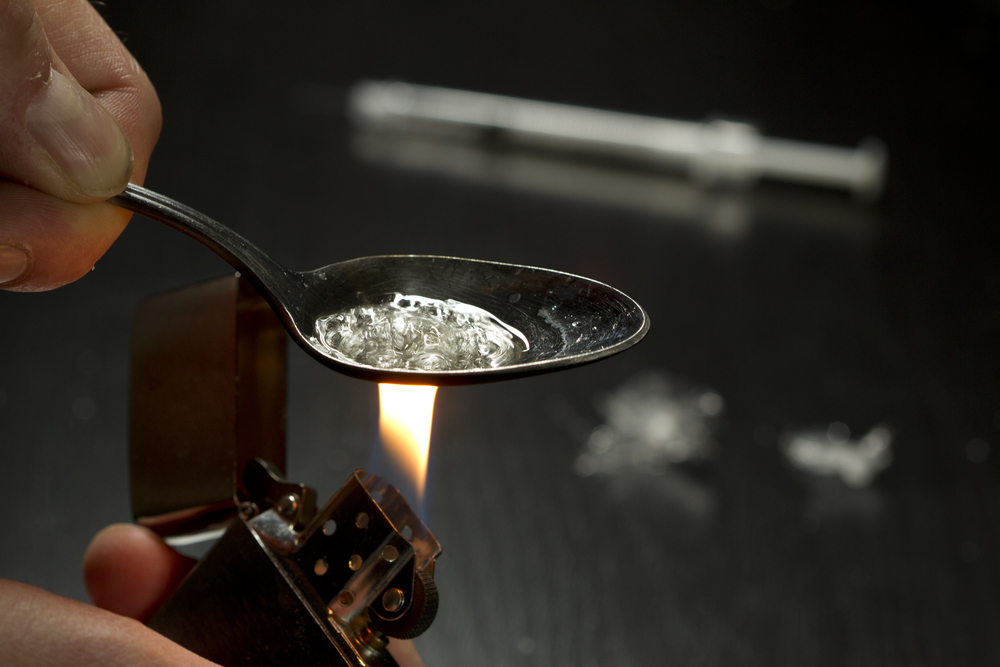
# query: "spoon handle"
(271, 279)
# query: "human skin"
(78, 120)
(129, 572)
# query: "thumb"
(54, 136)
(38, 628)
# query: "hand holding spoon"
(562, 319)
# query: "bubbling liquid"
(419, 333)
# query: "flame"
(405, 413)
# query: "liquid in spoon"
(419, 333)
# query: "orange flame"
(405, 413)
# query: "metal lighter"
(286, 583)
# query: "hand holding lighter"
(286, 583)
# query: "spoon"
(565, 319)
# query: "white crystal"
(418, 333)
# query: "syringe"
(711, 152)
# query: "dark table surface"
(798, 308)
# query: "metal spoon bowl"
(567, 320)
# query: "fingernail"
(81, 137)
(13, 263)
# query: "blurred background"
(798, 466)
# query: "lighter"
(285, 583)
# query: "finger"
(54, 135)
(45, 244)
(130, 571)
(38, 628)
(90, 49)
(405, 653)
